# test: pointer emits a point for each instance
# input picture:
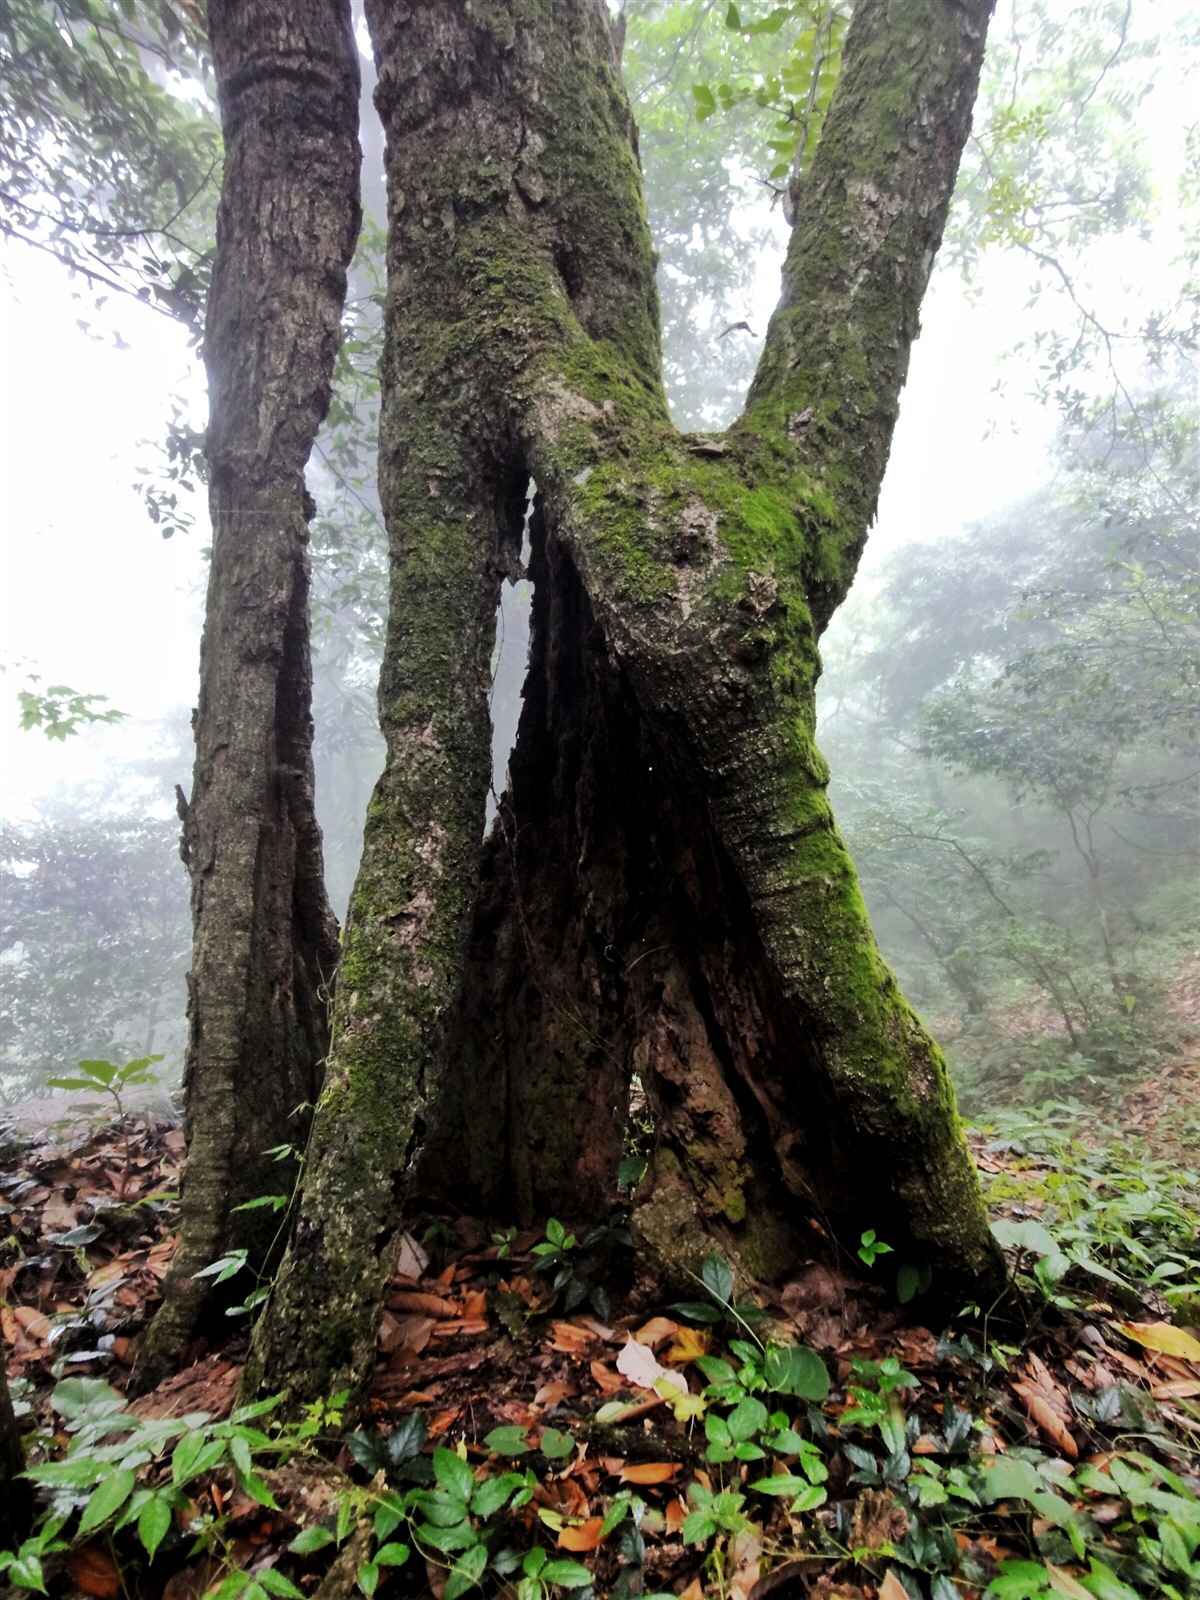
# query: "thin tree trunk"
(16, 1500)
(265, 940)
(667, 892)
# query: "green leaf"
(153, 1523)
(795, 1369)
(697, 1311)
(26, 1573)
(99, 1071)
(747, 1418)
(705, 104)
(507, 1441)
(566, 1574)
(309, 1540)
(106, 1500)
(732, 17)
(453, 1474)
(555, 1445)
(406, 1438)
(697, 1527)
(276, 1583)
(492, 1493)
(716, 1273)
(466, 1571)
(368, 1578)
(392, 1555)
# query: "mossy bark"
(666, 891)
(265, 940)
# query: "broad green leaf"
(309, 1540)
(718, 1279)
(106, 1500)
(795, 1369)
(566, 1574)
(153, 1523)
(453, 1474)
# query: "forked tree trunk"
(265, 941)
(667, 892)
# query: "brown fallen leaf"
(93, 1570)
(1041, 1404)
(891, 1588)
(650, 1472)
(430, 1305)
(584, 1537)
(552, 1394)
(606, 1380)
(570, 1339)
(657, 1331)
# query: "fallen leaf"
(891, 1588)
(1178, 1390)
(570, 1339)
(92, 1569)
(693, 1591)
(637, 1362)
(552, 1394)
(744, 1559)
(607, 1381)
(1162, 1336)
(675, 1516)
(584, 1537)
(657, 1331)
(32, 1321)
(1063, 1583)
(1041, 1408)
(412, 1260)
(649, 1472)
(690, 1344)
(431, 1305)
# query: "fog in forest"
(1009, 697)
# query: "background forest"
(1009, 697)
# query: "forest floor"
(530, 1431)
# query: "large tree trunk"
(666, 892)
(265, 940)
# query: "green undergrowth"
(938, 1478)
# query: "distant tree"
(94, 936)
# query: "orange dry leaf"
(32, 1321)
(582, 1538)
(657, 1331)
(552, 1394)
(570, 1339)
(607, 1381)
(675, 1516)
(690, 1344)
(475, 1305)
(92, 1569)
(1046, 1402)
(650, 1472)
(442, 1421)
(693, 1591)
(891, 1588)
(430, 1305)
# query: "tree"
(665, 892)
(265, 940)
(93, 941)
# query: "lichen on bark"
(666, 891)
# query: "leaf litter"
(1025, 1436)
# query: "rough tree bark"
(666, 892)
(16, 1497)
(265, 941)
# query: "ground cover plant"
(812, 1440)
